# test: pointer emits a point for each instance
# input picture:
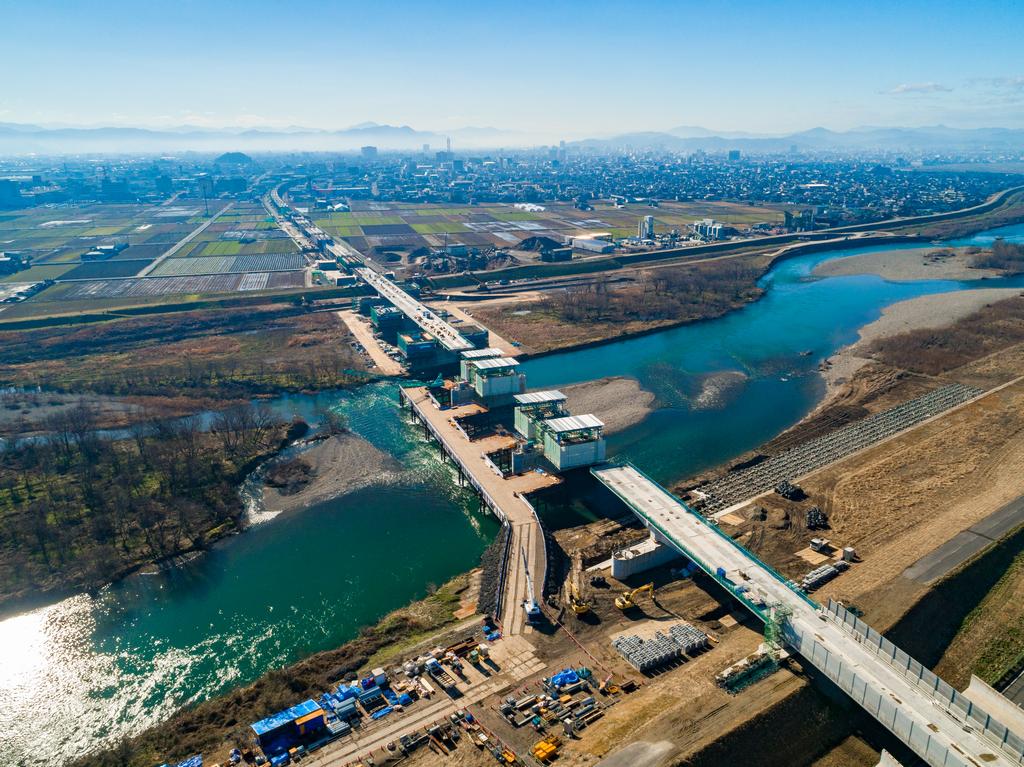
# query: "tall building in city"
(645, 228)
(369, 152)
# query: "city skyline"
(572, 71)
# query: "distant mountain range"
(937, 138)
(17, 138)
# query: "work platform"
(941, 725)
(505, 497)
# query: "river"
(88, 669)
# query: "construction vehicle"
(577, 603)
(532, 608)
(442, 677)
(546, 749)
(627, 599)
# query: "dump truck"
(442, 677)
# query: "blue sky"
(586, 68)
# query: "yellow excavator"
(578, 604)
(627, 599)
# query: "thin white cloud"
(904, 89)
(1009, 83)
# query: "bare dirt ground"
(909, 264)
(903, 498)
(619, 401)
(336, 465)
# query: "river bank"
(326, 469)
(167, 492)
(619, 401)
(932, 312)
(911, 264)
(219, 724)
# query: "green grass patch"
(226, 248)
(39, 273)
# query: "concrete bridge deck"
(420, 313)
(916, 706)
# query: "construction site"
(677, 626)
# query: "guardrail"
(955, 703)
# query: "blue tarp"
(564, 677)
(382, 713)
(285, 717)
(281, 718)
(280, 732)
(192, 761)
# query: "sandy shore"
(908, 265)
(339, 464)
(618, 401)
(935, 311)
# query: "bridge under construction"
(446, 335)
(942, 726)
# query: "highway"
(423, 316)
(936, 730)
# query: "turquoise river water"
(89, 669)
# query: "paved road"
(1015, 690)
(516, 660)
(185, 240)
(450, 338)
(966, 544)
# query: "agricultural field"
(375, 226)
(177, 267)
(242, 250)
(165, 286)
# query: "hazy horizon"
(559, 70)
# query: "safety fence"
(955, 703)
